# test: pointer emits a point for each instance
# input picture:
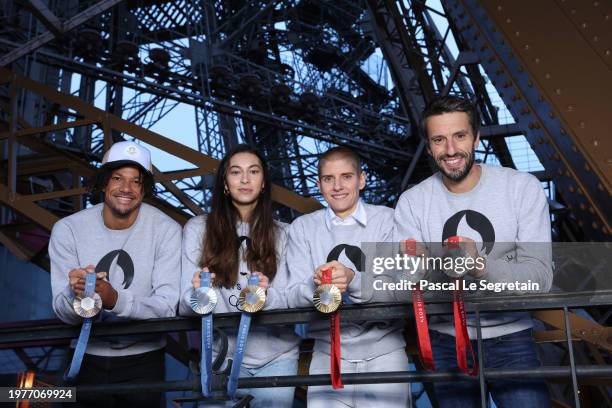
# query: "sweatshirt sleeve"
(63, 256)
(191, 251)
(405, 223)
(300, 267)
(533, 251)
(276, 296)
(165, 279)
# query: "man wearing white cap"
(134, 249)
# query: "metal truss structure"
(294, 77)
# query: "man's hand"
(411, 247)
(468, 246)
(107, 293)
(341, 275)
(76, 279)
(264, 282)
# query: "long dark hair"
(220, 252)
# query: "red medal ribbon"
(334, 338)
(420, 316)
(462, 337)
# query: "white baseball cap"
(126, 153)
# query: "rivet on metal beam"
(551, 114)
(595, 3)
(584, 25)
(537, 60)
(595, 38)
(517, 33)
(563, 132)
(558, 91)
(582, 125)
(508, 20)
(547, 75)
(595, 142)
(573, 11)
(570, 108)
(608, 53)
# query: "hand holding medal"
(327, 296)
(87, 307)
(204, 299)
(253, 297)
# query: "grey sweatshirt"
(508, 211)
(143, 266)
(264, 344)
(311, 242)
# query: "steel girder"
(555, 78)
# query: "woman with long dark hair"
(239, 238)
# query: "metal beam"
(48, 128)
(279, 194)
(67, 26)
(46, 16)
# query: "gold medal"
(252, 299)
(327, 298)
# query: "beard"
(121, 212)
(459, 174)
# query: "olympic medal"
(88, 306)
(327, 298)
(252, 299)
(203, 300)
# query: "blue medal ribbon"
(243, 332)
(206, 347)
(79, 351)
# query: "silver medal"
(203, 300)
(88, 306)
